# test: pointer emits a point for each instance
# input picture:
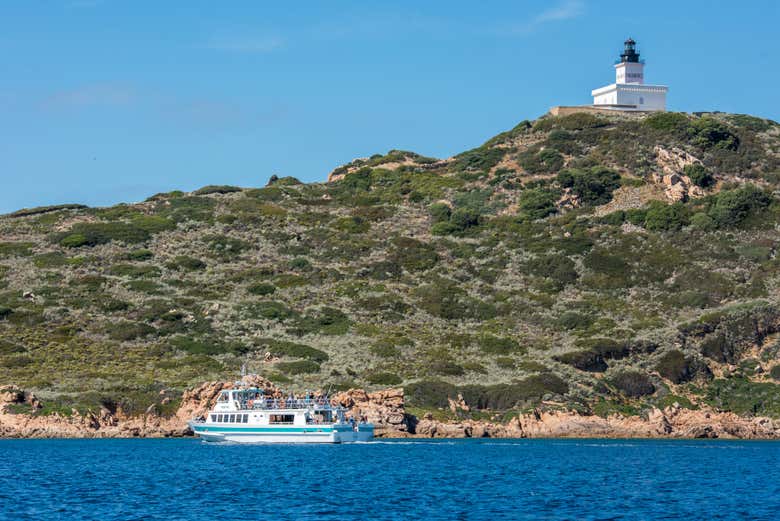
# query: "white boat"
(249, 416)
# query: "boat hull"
(334, 434)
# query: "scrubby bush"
(732, 207)
(505, 362)
(498, 345)
(440, 212)
(667, 121)
(91, 234)
(707, 132)
(632, 383)
(537, 203)
(446, 300)
(126, 330)
(293, 350)
(483, 158)
(775, 372)
(665, 217)
(217, 189)
(298, 367)
(352, 224)
(226, 247)
(559, 269)
(547, 160)
(674, 366)
(573, 320)
(186, 263)
(412, 254)
(325, 321)
(699, 175)
(593, 186)
(261, 288)
(383, 378)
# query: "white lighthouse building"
(630, 92)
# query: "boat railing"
(286, 403)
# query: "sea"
(187, 479)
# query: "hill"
(596, 264)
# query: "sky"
(107, 101)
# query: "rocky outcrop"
(385, 409)
(672, 163)
(672, 422)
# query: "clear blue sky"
(104, 101)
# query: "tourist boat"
(250, 416)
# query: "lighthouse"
(630, 92)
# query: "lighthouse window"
(641, 100)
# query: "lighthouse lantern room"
(629, 92)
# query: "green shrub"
(412, 254)
(732, 207)
(186, 263)
(298, 367)
(91, 234)
(516, 394)
(665, 217)
(225, 247)
(134, 270)
(445, 368)
(674, 366)
(572, 320)
(26, 212)
(482, 158)
(261, 288)
(206, 346)
(593, 186)
(699, 175)
(498, 345)
(702, 221)
(547, 160)
(53, 259)
(667, 121)
(632, 383)
(217, 189)
(440, 212)
(15, 249)
(537, 203)
(559, 269)
(504, 362)
(293, 350)
(140, 255)
(126, 330)
(446, 300)
(383, 378)
(269, 310)
(775, 372)
(352, 224)
(707, 132)
(325, 321)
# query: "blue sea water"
(187, 479)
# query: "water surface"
(452, 479)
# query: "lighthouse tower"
(629, 92)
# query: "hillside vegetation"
(601, 264)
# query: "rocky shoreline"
(386, 409)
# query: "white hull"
(266, 435)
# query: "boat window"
(282, 418)
(213, 418)
(223, 397)
(246, 418)
(232, 418)
(219, 418)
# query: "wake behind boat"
(250, 416)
